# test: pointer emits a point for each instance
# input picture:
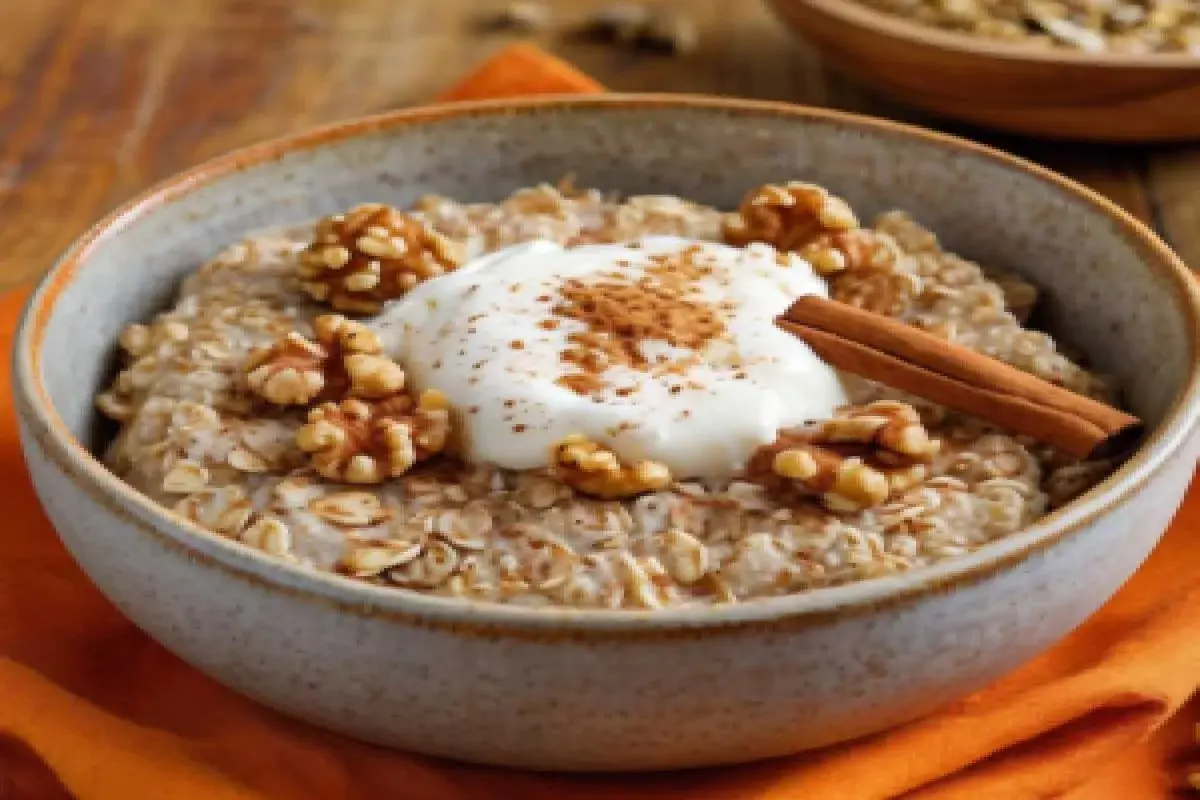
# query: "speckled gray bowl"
(613, 690)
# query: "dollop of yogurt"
(492, 336)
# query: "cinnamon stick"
(903, 357)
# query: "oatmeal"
(568, 398)
(1094, 26)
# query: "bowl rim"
(45, 430)
(855, 14)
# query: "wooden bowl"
(1063, 94)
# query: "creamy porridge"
(569, 398)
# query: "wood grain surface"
(99, 98)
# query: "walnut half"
(860, 458)
(371, 254)
(788, 216)
(347, 358)
(595, 470)
(289, 372)
(865, 267)
(360, 442)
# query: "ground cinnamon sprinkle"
(583, 383)
(621, 313)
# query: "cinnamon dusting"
(622, 313)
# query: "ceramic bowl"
(1058, 93)
(615, 690)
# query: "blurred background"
(99, 98)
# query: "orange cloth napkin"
(91, 708)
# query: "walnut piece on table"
(347, 357)
(371, 254)
(593, 469)
(858, 459)
(360, 442)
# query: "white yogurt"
(456, 334)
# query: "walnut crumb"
(593, 469)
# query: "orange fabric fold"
(518, 71)
(91, 708)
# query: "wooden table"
(99, 98)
